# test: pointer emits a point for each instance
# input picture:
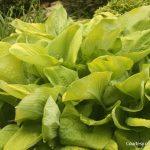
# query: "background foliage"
(122, 6)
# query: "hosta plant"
(76, 85)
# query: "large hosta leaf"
(100, 39)
(131, 18)
(67, 44)
(50, 121)
(132, 85)
(32, 106)
(137, 56)
(32, 38)
(27, 136)
(56, 21)
(30, 53)
(90, 24)
(6, 133)
(11, 68)
(17, 90)
(89, 87)
(136, 41)
(73, 132)
(60, 75)
(117, 64)
(31, 28)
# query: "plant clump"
(76, 85)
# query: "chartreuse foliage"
(76, 85)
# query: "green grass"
(35, 13)
(5, 27)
